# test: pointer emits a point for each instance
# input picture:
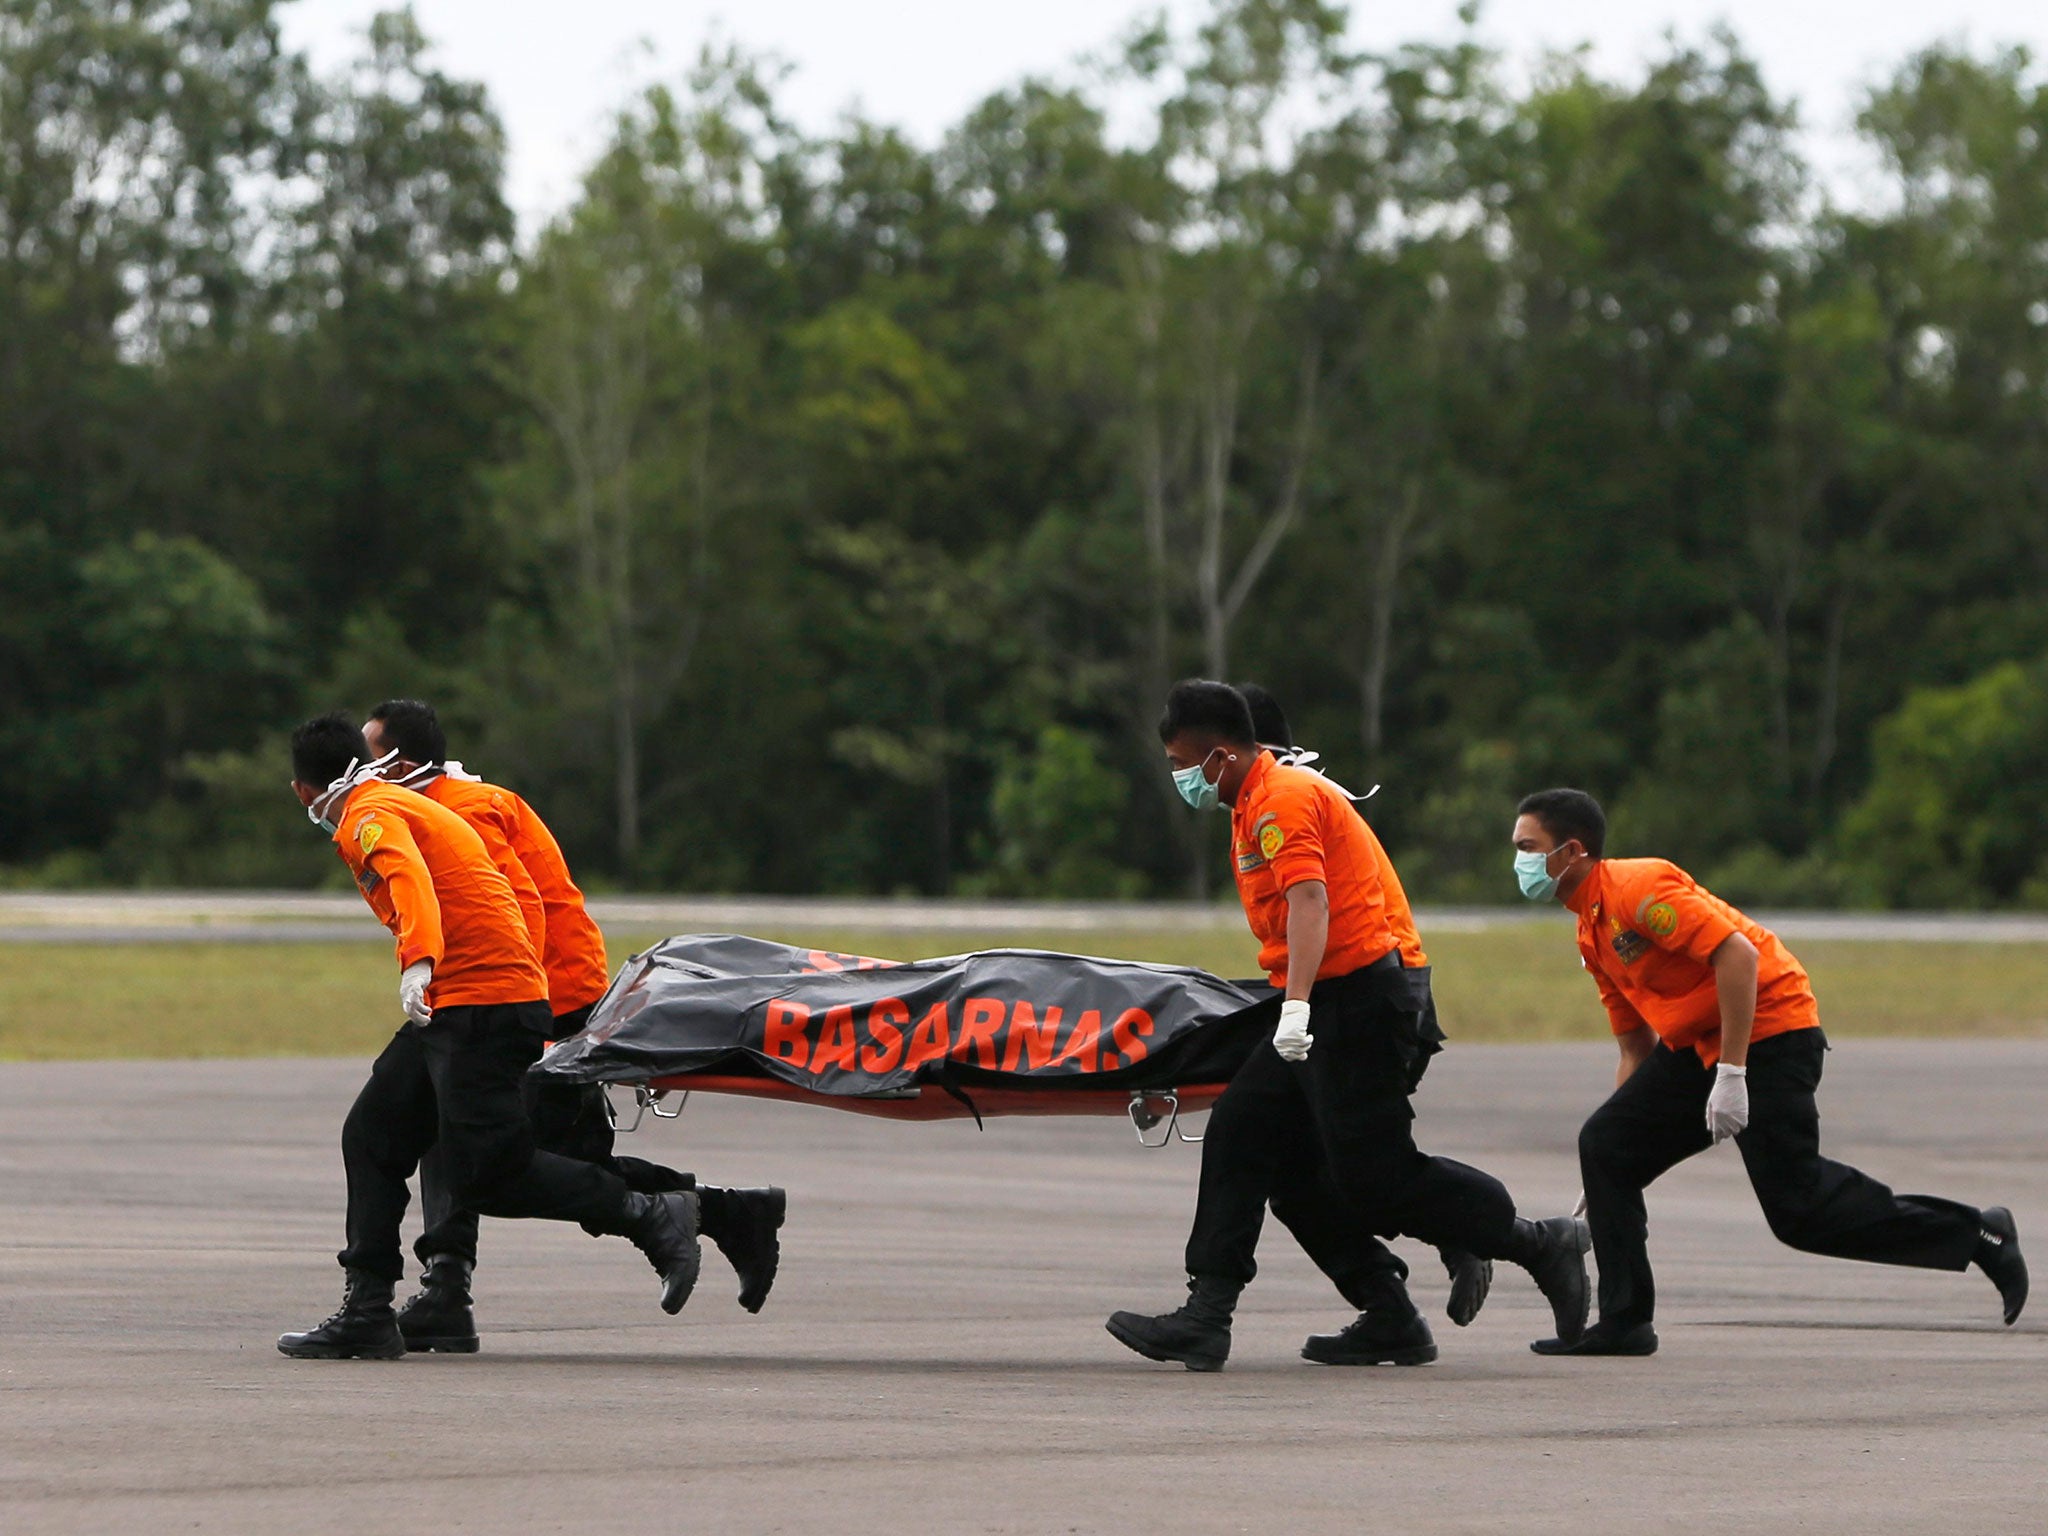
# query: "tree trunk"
(1154, 495)
(942, 788)
(623, 618)
(1380, 625)
(1827, 709)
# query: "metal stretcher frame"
(1146, 1110)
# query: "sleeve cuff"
(1288, 876)
(1710, 936)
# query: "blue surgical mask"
(1532, 871)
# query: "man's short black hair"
(1269, 720)
(324, 746)
(412, 726)
(1568, 814)
(1207, 709)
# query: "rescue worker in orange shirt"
(1720, 1037)
(568, 1118)
(474, 996)
(1328, 1100)
(1358, 1263)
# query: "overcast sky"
(558, 68)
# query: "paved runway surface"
(933, 1358)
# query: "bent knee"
(365, 1138)
(1793, 1222)
(479, 1164)
(1601, 1138)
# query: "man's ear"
(307, 793)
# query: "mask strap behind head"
(355, 773)
(1305, 757)
(426, 772)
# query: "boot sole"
(1467, 1298)
(1572, 1352)
(326, 1352)
(778, 1210)
(1997, 1218)
(1164, 1357)
(456, 1345)
(1581, 1243)
(1420, 1354)
(677, 1284)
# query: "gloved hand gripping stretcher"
(1001, 1032)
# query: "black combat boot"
(1998, 1255)
(1387, 1331)
(1471, 1278)
(437, 1319)
(1379, 1336)
(664, 1227)
(743, 1222)
(1603, 1339)
(1196, 1334)
(364, 1328)
(1554, 1253)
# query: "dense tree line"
(830, 514)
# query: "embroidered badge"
(1630, 945)
(1661, 919)
(369, 835)
(1271, 838)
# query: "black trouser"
(1657, 1119)
(1329, 1142)
(455, 1084)
(567, 1118)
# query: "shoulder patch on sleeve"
(1271, 838)
(369, 835)
(1661, 918)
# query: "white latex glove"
(1728, 1104)
(412, 991)
(1291, 1038)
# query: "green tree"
(1956, 814)
(634, 360)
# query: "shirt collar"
(1254, 781)
(1587, 896)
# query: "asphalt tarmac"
(933, 1358)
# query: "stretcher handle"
(646, 1101)
(1145, 1118)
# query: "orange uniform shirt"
(425, 873)
(573, 954)
(1290, 825)
(1647, 931)
(489, 811)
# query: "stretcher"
(993, 1033)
